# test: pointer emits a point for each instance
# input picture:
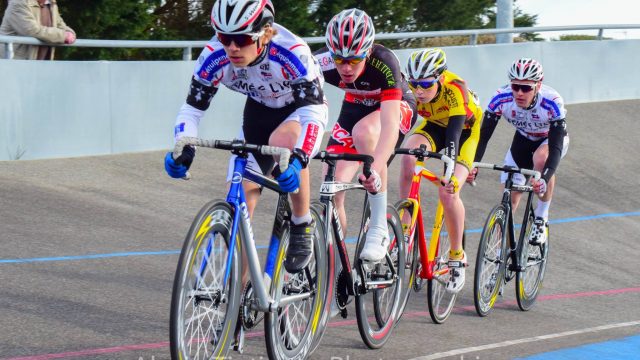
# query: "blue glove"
(178, 168)
(289, 180)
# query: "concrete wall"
(64, 109)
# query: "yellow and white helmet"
(425, 63)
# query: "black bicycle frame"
(509, 186)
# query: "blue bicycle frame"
(236, 198)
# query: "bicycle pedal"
(344, 313)
(238, 342)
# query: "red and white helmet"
(350, 33)
(526, 69)
(241, 16)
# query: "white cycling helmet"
(526, 69)
(350, 33)
(241, 16)
(425, 63)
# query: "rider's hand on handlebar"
(373, 183)
(177, 168)
(473, 174)
(289, 180)
(452, 186)
(539, 186)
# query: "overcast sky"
(585, 12)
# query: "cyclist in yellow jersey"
(451, 118)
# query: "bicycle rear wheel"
(533, 260)
(204, 308)
(377, 309)
(291, 330)
(405, 212)
(441, 301)
(490, 261)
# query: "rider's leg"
(539, 158)
(454, 211)
(345, 171)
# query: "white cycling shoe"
(376, 245)
(538, 234)
(456, 274)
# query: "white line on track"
(525, 340)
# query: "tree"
(520, 19)
(115, 20)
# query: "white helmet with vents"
(241, 16)
(526, 69)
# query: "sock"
(542, 209)
(456, 254)
(304, 219)
(378, 204)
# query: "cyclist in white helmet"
(377, 102)
(451, 118)
(541, 139)
(285, 104)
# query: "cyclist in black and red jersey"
(377, 101)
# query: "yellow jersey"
(454, 99)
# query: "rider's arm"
(452, 138)
(489, 123)
(309, 100)
(557, 132)
(203, 86)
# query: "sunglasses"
(241, 40)
(423, 84)
(521, 87)
(351, 60)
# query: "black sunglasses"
(521, 87)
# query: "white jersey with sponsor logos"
(288, 59)
(533, 123)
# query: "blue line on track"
(625, 348)
(349, 240)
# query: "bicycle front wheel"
(204, 307)
(377, 309)
(318, 212)
(290, 331)
(405, 212)
(533, 262)
(490, 261)
(441, 301)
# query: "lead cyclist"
(285, 105)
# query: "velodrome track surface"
(89, 247)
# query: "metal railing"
(187, 46)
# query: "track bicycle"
(376, 287)
(501, 256)
(427, 261)
(210, 308)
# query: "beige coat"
(22, 18)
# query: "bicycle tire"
(490, 261)
(209, 234)
(375, 334)
(318, 210)
(290, 331)
(533, 261)
(439, 300)
(412, 255)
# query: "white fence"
(64, 109)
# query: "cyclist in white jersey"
(285, 104)
(541, 139)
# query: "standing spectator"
(36, 18)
